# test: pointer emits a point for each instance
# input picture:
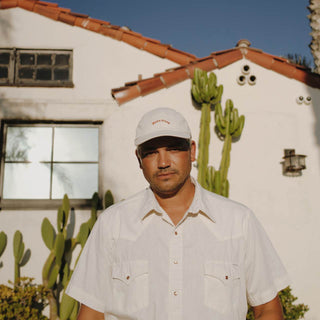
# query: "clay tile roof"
(216, 60)
(53, 11)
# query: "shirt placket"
(176, 274)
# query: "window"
(26, 67)
(45, 161)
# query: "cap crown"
(161, 122)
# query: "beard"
(166, 183)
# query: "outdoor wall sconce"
(293, 163)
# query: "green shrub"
(291, 311)
(22, 301)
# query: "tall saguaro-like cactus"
(57, 271)
(207, 94)
(228, 125)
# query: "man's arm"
(87, 313)
(271, 310)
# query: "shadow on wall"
(315, 106)
(20, 109)
(5, 27)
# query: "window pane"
(78, 181)
(3, 72)
(26, 181)
(61, 74)
(62, 60)
(27, 59)
(4, 58)
(44, 74)
(44, 59)
(76, 144)
(28, 144)
(26, 73)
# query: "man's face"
(166, 163)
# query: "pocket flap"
(217, 270)
(127, 271)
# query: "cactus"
(205, 92)
(108, 199)
(21, 257)
(56, 272)
(204, 89)
(3, 244)
(229, 127)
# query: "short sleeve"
(265, 273)
(91, 280)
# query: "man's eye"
(148, 153)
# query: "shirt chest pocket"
(221, 286)
(130, 281)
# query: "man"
(176, 251)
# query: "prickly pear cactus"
(21, 257)
(56, 272)
(3, 244)
(206, 93)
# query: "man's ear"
(193, 150)
(138, 157)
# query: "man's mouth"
(165, 174)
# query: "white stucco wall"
(287, 207)
(99, 64)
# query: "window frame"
(30, 204)
(14, 80)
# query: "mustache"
(165, 171)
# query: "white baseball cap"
(161, 122)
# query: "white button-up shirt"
(137, 264)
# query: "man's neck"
(177, 205)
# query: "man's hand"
(87, 313)
(271, 310)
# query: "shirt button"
(175, 293)
(128, 277)
(175, 262)
(176, 233)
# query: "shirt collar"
(151, 205)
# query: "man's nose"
(163, 159)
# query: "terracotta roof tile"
(67, 18)
(25, 4)
(53, 11)
(134, 41)
(49, 4)
(261, 59)
(150, 85)
(129, 93)
(4, 4)
(50, 12)
(216, 60)
(224, 59)
(80, 15)
(173, 77)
